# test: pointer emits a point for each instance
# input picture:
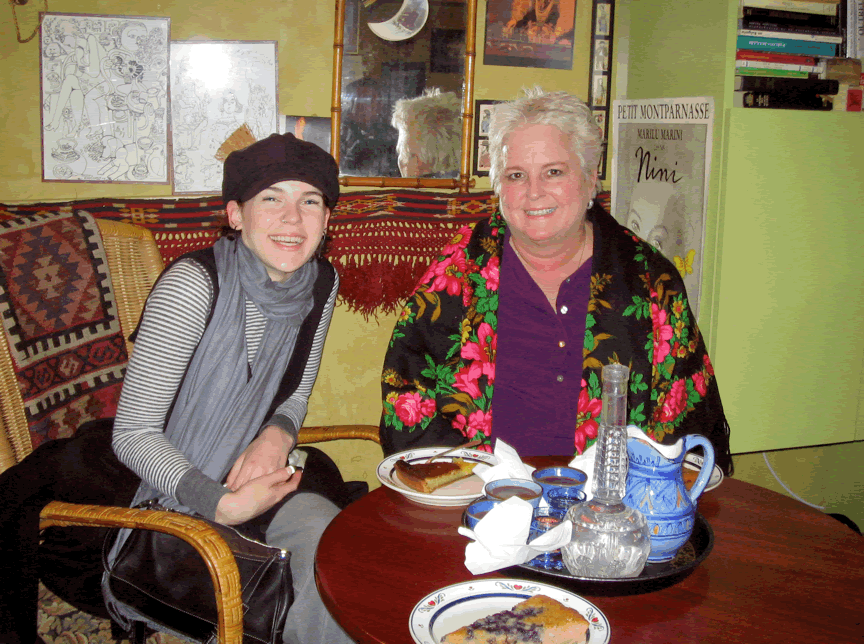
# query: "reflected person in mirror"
(430, 134)
(522, 310)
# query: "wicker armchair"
(134, 264)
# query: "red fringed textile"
(381, 241)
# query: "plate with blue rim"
(453, 607)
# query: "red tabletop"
(779, 572)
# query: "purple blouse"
(538, 365)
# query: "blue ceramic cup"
(561, 498)
(551, 478)
(478, 509)
(503, 489)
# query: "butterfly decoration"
(685, 266)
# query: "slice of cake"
(539, 620)
(428, 477)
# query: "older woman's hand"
(257, 496)
(266, 454)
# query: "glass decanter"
(610, 540)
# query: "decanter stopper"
(611, 461)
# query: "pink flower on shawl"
(412, 407)
(468, 377)
(491, 273)
(699, 383)
(590, 408)
(458, 242)
(675, 402)
(477, 422)
(708, 366)
(483, 351)
(445, 277)
(662, 334)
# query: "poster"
(530, 33)
(660, 171)
(216, 87)
(104, 86)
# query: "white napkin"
(509, 466)
(499, 538)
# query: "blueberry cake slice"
(539, 620)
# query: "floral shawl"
(439, 371)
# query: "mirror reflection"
(401, 99)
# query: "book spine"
(786, 86)
(789, 18)
(775, 57)
(788, 27)
(792, 35)
(772, 101)
(854, 28)
(775, 73)
(799, 6)
(787, 45)
(789, 67)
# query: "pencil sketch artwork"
(216, 89)
(661, 163)
(104, 98)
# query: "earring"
(590, 204)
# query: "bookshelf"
(783, 296)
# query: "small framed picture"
(483, 111)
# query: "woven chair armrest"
(335, 432)
(209, 544)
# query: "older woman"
(521, 311)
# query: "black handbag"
(164, 578)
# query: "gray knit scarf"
(223, 400)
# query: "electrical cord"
(785, 487)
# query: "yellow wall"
(303, 30)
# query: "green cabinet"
(783, 282)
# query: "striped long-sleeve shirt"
(171, 327)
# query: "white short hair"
(538, 107)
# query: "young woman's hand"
(257, 496)
(266, 454)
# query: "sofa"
(380, 242)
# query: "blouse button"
(564, 309)
(559, 378)
(561, 343)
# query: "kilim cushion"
(60, 318)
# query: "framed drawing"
(104, 90)
(483, 110)
(217, 87)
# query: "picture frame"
(480, 151)
(525, 35)
(600, 71)
(207, 108)
(104, 91)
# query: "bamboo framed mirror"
(410, 55)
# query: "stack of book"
(781, 50)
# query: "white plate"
(453, 607)
(694, 462)
(456, 493)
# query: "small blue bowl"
(550, 478)
(503, 489)
(561, 498)
(478, 509)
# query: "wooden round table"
(779, 572)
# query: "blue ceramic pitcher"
(655, 487)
